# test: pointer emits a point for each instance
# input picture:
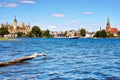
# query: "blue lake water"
(67, 59)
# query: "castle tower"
(108, 25)
(15, 24)
(23, 24)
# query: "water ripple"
(67, 59)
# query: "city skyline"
(61, 15)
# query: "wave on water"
(78, 59)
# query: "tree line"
(3, 31)
(35, 32)
(104, 34)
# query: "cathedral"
(109, 29)
(13, 29)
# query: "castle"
(13, 29)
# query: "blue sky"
(61, 15)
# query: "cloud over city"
(4, 4)
(28, 1)
(58, 15)
(75, 22)
(87, 13)
(15, 3)
(52, 26)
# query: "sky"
(62, 15)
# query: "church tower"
(15, 24)
(100, 29)
(108, 25)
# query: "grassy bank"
(5, 39)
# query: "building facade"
(25, 28)
(109, 29)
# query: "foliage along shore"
(37, 32)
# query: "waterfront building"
(57, 34)
(109, 29)
(13, 29)
(88, 35)
(73, 33)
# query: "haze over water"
(67, 59)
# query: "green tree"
(3, 31)
(75, 34)
(36, 32)
(101, 34)
(110, 35)
(20, 34)
(65, 33)
(118, 34)
(29, 34)
(47, 33)
(97, 34)
(82, 32)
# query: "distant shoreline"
(9, 39)
(5, 39)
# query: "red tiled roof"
(20, 28)
(113, 30)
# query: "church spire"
(100, 28)
(108, 25)
(108, 20)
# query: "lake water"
(67, 59)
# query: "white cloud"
(11, 5)
(28, 1)
(2, 4)
(52, 27)
(15, 3)
(75, 22)
(58, 15)
(87, 13)
(95, 24)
